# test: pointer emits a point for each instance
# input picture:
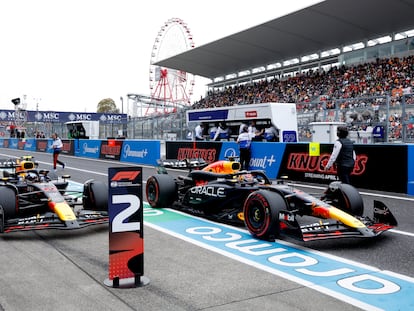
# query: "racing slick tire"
(161, 190)
(7, 204)
(345, 197)
(95, 196)
(261, 214)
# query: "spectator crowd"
(316, 90)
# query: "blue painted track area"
(363, 286)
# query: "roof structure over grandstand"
(327, 25)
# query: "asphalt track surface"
(65, 270)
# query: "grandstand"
(332, 37)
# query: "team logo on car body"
(209, 191)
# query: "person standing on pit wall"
(271, 134)
(241, 127)
(252, 129)
(222, 133)
(57, 146)
(244, 141)
(343, 155)
(199, 132)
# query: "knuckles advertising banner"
(209, 151)
(379, 167)
(376, 167)
(126, 235)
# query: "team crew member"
(57, 146)
(222, 132)
(241, 127)
(343, 155)
(199, 132)
(244, 141)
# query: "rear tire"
(161, 190)
(345, 197)
(95, 196)
(261, 214)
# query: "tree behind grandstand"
(107, 105)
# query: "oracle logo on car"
(209, 191)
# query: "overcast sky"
(67, 55)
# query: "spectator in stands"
(317, 90)
(343, 155)
(244, 141)
(199, 132)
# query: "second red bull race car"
(34, 199)
(269, 209)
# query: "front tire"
(8, 204)
(95, 196)
(345, 197)
(261, 214)
(161, 190)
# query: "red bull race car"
(269, 209)
(34, 199)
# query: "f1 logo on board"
(125, 178)
(125, 175)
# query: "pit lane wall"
(144, 152)
(384, 167)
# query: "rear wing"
(188, 164)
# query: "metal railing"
(394, 114)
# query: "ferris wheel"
(170, 88)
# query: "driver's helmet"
(30, 176)
(248, 178)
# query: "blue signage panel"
(30, 144)
(208, 115)
(289, 137)
(13, 143)
(142, 152)
(266, 156)
(87, 148)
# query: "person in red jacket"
(57, 146)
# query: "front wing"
(84, 218)
(323, 229)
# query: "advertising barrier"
(378, 167)
(142, 152)
(387, 167)
(87, 148)
(410, 169)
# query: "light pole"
(122, 111)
